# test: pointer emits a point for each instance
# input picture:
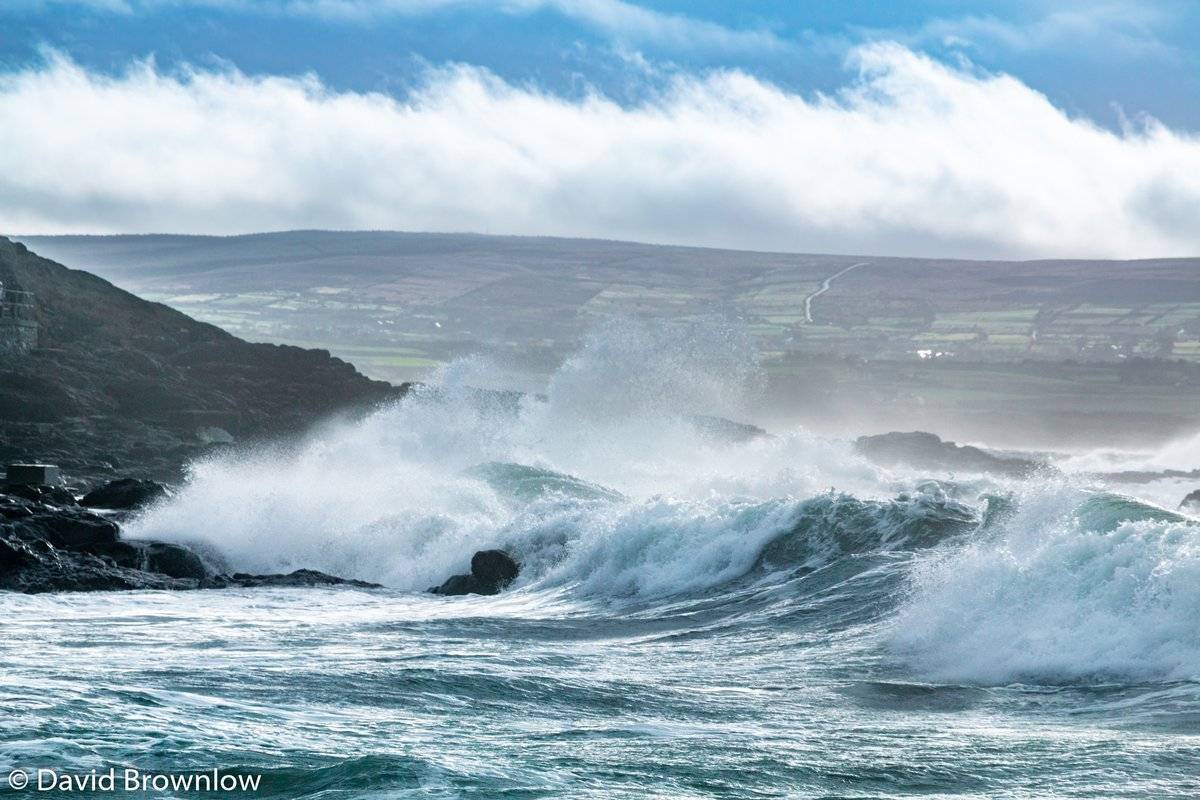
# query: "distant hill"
(1012, 352)
(399, 302)
(117, 379)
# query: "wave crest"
(1070, 587)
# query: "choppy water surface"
(695, 618)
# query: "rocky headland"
(122, 393)
(928, 451)
(119, 386)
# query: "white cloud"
(1115, 27)
(912, 157)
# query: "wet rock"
(491, 571)
(1191, 502)
(458, 585)
(15, 507)
(36, 566)
(54, 495)
(47, 548)
(73, 529)
(125, 494)
(15, 553)
(299, 578)
(123, 554)
(927, 451)
(494, 568)
(174, 560)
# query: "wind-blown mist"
(912, 156)
(1073, 585)
(612, 456)
(609, 491)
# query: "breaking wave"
(615, 487)
(1070, 586)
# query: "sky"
(1005, 129)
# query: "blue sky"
(1007, 128)
(1100, 59)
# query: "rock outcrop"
(928, 451)
(491, 571)
(125, 494)
(52, 547)
(118, 382)
(298, 578)
(1191, 503)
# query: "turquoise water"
(771, 617)
(785, 682)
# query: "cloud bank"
(911, 157)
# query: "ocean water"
(695, 617)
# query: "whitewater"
(702, 610)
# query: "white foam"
(1181, 453)
(1058, 595)
(386, 498)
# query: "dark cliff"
(120, 381)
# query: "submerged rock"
(125, 494)
(491, 571)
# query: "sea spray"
(1181, 453)
(605, 488)
(399, 496)
(1072, 586)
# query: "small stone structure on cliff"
(18, 322)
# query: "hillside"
(1014, 353)
(400, 302)
(118, 380)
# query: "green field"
(989, 340)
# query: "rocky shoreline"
(49, 542)
(54, 540)
(116, 384)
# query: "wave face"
(617, 461)
(697, 615)
(1069, 587)
(612, 488)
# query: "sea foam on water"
(606, 488)
(1072, 587)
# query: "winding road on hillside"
(825, 284)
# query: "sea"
(699, 614)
